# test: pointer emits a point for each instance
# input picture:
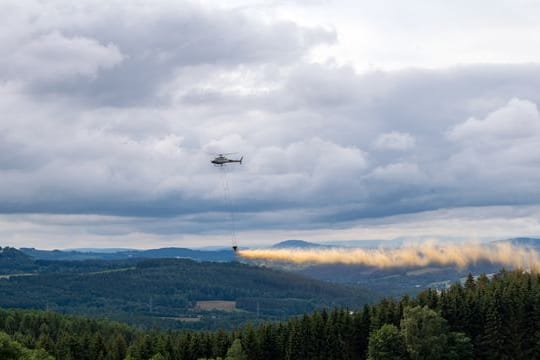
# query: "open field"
(221, 305)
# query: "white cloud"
(390, 35)
(394, 141)
(495, 158)
(516, 120)
(398, 172)
(471, 224)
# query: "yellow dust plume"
(460, 255)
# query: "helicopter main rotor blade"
(220, 154)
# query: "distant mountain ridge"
(170, 252)
(100, 250)
(345, 243)
(160, 253)
(520, 241)
(296, 244)
(212, 254)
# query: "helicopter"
(221, 160)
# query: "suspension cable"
(230, 206)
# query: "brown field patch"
(221, 305)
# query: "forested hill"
(496, 318)
(13, 260)
(171, 252)
(165, 292)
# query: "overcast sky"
(356, 119)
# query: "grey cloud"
(123, 54)
(54, 57)
(132, 161)
(315, 136)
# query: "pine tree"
(118, 348)
(236, 352)
(220, 344)
(268, 342)
(141, 349)
(534, 331)
(490, 345)
(250, 343)
(334, 342)
(295, 343)
(45, 342)
(97, 349)
(470, 284)
(11, 325)
(459, 347)
(67, 347)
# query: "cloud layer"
(115, 111)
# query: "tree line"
(484, 318)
